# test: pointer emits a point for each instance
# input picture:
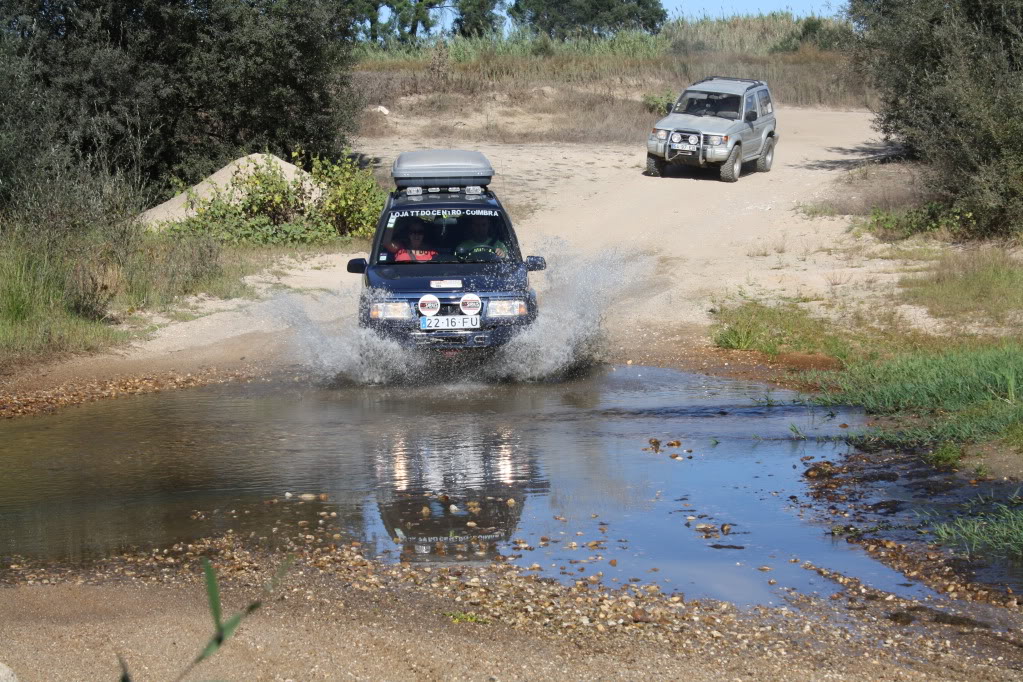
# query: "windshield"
(477, 235)
(718, 104)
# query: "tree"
(475, 18)
(949, 76)
(588, 17)
(411, 19)
(169, 87)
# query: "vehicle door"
(766, 122)
(751, 138)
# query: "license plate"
(683, 147)
(450, 322)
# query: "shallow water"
(153, 470)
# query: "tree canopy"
(173, 87)
(588, 17)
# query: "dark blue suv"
(445, 270)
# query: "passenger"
(417, 250)
(481, 241)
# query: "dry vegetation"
(592, 90)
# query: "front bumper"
(492, 332)
(706, 154)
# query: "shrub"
(949, 84)
(817, 32)
(658, 103)
(931, 217)
(167, 87)
(262, 206)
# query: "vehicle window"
(751, 103)
(456, 236)
(765, 102)
(698, 103)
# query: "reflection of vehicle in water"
(445, 269)
(453, 497)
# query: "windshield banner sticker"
(445, 284)
(443, 212)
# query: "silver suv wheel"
(731, 169)
(766, 159)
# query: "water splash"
(569, 335)
(570, 332)
(338, 349)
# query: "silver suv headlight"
(715, 140)
(503, 308)
(399, 310)
(658, 134)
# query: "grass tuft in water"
(997, 533)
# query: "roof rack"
(754, 82)
(447, 168)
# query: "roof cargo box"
(441, 168)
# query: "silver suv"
(718, 121)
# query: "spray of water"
(328, 342)
(575, 295)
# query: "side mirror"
(357, 265)
(534, 263)
(668, 108)
(751, 116)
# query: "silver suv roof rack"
(752, 81)
(446, 168)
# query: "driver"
(480, 239)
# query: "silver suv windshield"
(446, 236)
(719, 104)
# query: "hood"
(489, 277)
(704, 124)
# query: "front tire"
(766, 159)
(656, 167)
(731, 169)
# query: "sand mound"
(176, 208)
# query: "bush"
(165, 88)
(929, 218)
(949, 82)
(262, 206)
(658, 103)
(819, 33)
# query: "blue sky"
(717, 8)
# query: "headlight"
(694, 139)
(506, 308)
(675, 137)
(659, 134)
(716, 140)
(390, 311)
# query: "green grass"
(71, 299)
(998, 532)
(466, 617)
(968, 393)
(775, 329)
(984, 285)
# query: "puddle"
(426, 473)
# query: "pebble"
(6, 674)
